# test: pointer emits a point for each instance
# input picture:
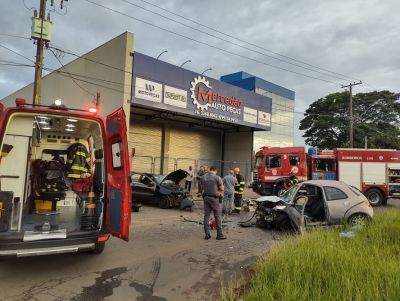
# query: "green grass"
(322, 266)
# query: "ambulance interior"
(51, 176)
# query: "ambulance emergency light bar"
(57, 105)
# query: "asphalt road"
(166, 258)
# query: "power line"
(209, 45)
(89, 60)
(83, 89)
(5, 47)
(233, 43)
(14, 36)
(243, 41)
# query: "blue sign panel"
(161, 85)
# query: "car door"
(338, 203)
(118, 206)
(144, 188)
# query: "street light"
(165, 51)
(208, 69)
(188, 61)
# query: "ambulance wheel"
(374, 196)
(99, 247)
(164, 202)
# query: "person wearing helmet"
(292, 180)
(239, 188)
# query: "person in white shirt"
(189, 178)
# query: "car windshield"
(159, 178)
(287, 196)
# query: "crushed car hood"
(176, 176)
(269, 198)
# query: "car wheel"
(283, 223)
(358, 219)
(164, 202)
(374, 196)
(99, 247)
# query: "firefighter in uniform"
(78, 161)
(239, 188)
(291, 181)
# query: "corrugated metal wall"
(184, 146)
(145, 137)
(188, 145)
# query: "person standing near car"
(200, 173)
(189, 179)
(239, 188)
(229, 189)
(212, 189)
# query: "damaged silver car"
(313, 203)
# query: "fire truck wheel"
(164, 202)
(283, 223)
(99, 247)
(374, 196)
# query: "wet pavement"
(166, 258)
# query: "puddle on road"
(103, 286)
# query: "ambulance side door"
(118, 207)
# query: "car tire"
(164, 202)
(99, 247)
(283, 223)
(375, 197)
(358, 219)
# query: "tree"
(376, 116)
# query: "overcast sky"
(358, 39)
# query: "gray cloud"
(357, 38)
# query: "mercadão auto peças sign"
(186, 92)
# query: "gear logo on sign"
(196, 81)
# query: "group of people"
(227, 191)
(215, 191)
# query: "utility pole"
(37, 85)
(41, 33)
(351, 110)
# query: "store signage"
(148, 90)
(264, 118)
(187, 93)
(204, 98)
(175, 97)
(249, 115)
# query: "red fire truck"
(376, 172)
(64, 177)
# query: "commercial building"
(281, 133)
(177, 118)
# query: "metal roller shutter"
(187, 145)
(145, 137)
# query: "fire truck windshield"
(259, 162)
